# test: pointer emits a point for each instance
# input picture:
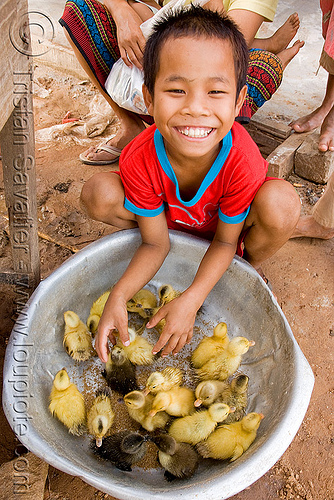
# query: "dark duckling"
(120, 373)
(180, 460)
(123, 449)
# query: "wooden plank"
(281, 160)
(273, 127)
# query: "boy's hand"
(180, 318)
(114, 317)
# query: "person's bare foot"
(326, 141)
(283, 36)
(121, 139)
(307, 227)
(287, 55)
(309, 122)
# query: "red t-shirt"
(226, 192)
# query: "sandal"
(102, 147)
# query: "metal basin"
(280, 384)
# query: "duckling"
(100, 416)
(120, 373)
(67, 403)
(166, 294)
(123, 449)
(139, 351)
(232, 440)
(198, 426)
(235, 395)
(209, 347)
(165, 380)
(96, 312)
(227, 362)
(142, 300)
(77, 339)
(177, 402)
(208, 391)
(139, 407)
(179, 460)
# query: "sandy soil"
(301, 273)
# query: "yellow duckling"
(67, 403)
(198, 426)
(142, 300)
(210, 346)
(235, 395)
(139, 351)
(166, 294)
(177, 402)
(139, 407)
(100, 416)
(180, 460)
(77, 339)
(232, 440)
(96, 312)
(208, 391)
(165, 380)
(224, 364)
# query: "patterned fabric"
(327, 56)
(93, 31)
(264, 76)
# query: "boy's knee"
(99, 195)
(279, 204)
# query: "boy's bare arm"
(181, 312)
(146, 261)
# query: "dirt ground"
(301, 273)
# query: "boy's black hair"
(194, 21)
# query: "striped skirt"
(93, 31)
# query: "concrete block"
(281, 160)
(23, 478)
(312, 164)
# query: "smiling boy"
(195, 170)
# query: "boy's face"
(194, 103)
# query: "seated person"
(195, 170)
(100, 34)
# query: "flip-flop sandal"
(102, 147)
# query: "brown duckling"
(231, 440)
(165, 380)
(96, 312)
(180, 460)
(142, 300)
(198, 426)
(209, 347)
(235, 395)
(77, 339)
(166, 294)
(123, 449)
(178, 402)
(67, 403)
(208, 392)
(100, 416)
(120, 373)
(224, 364)
(139, 351)
(139, 407)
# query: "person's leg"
(321, 223)
(102, 199)
(271, 221)
(318, 116)
(250, 22)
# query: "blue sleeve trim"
(235, 219)
(143, 211)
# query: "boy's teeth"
(195, 132)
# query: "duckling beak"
(197, 403)
(251, 343)
(152, 413)
(146, 391)
(98, 442)
(232, 409)
(261, 415)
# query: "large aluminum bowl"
(281, 379)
